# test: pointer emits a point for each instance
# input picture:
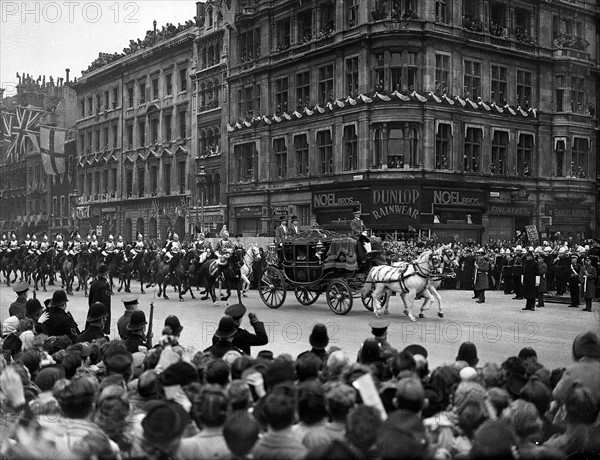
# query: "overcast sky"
(46, 37)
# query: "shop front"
(248, 220)
(504, 219)
(570, 220)
(333, 207)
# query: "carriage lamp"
(320, 247)
(272, 247)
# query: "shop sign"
(395, 201)
(280, 211)
(83, 212)
(104, 210)
(457, 198)
(508, 210)
(532, 234)
(333, 200)
(248, 211)
(569, 214)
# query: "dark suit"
(100, 292)
(529, 289)
(90, 334)
(61, 322)
(134, 340)
(244, 339)
(219, 349)
(281, 233)
(17, 308)
(574, 270)
(517, 273)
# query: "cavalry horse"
(45, 267)
(227, 267)
(407, 280)
(11, 261)
(67, 273)
(252, 255)
(168, 273)
(82, 269)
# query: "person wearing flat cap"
(60, 321)
(95, 319)
(131, 304)
(17, 308)
(225, 333)
(136, 337)
(242, 338)
(100, 291)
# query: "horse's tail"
(366, 289)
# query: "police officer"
(529, 288)
(482, 269)
(574, 273)
(18, 307)
(130, 302)
(95, 320)
(60, 321)
(562, 264)
(242, 338)
(507, 277)
(136, 328)
(518, 273)
(100, 291)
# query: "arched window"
(202, 145)
(127, 231)
(153, 228)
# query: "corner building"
(467, 119)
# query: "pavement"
(498, 327)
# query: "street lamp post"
(201, 182)
(73, 199)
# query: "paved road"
(499, 327)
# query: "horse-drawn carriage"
(317, 262)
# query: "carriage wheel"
(339, 297)
(272, 288)
(368, 300)
(306, 296)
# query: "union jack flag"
(18, 129)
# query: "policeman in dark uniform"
(518, 273)
(242, 338)
(131, 304)
(136, 327)
(95, 319)
(562, 270)
(594, 254)
(18, 307)
(507, 272)
(60, 321)
(100, 291)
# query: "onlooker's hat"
(283, 218)
(10, 325)
(173, 322)
(21, 287)
(294, 218)
(586, 344)
(138, 321)
(130, 300)
(267, 355)
(118, 362)
(48, 376)
(97, 312)
(102, 269)
(416, 349)
(379, 326)
(468, 352)
(319, 337)
(181, 373)
(59, 298)
(527, 352)
(356, 210)
(165, 422)
(77, 392)
(33, 308)
(227, 328)
(236, 311)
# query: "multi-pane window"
(182, 80)
(167, 178)
(130, 97)
(281, 95)
(498, 16)
(98, 102)
(472, 15)
(244, 155)
(141, 181)
(129, 182)
(523, 21)
(141, 133)
(142, 92)
(472, 79)
(182, 124)
(379, 72)
(352, 76)
(168, 84)
(129, 130)
(105, 181)
(302, 89)
(97, 183)
(443, 146)
(97, 137)
(181, 176)
(442, 73)
(105, 140)
(153, 179)
(402, 146)
(559, 152)
(89, 142)
(525, 155)
(115, 130)
(326, 17)
(350, 158)
(560, 92)
(113, 181)
(577, 94)
(472, 155)
(441, 11)
(301, 151)
(499, 149)
(326, 84)
(154, 89)
(82, 108)
(249, 45)
(499, 84)
(523, 88)
(154, 129)
(325, 149)
(168, 127)
(396, 72)
(579, 157)
(115, 98)
(351, 13)
(106, 100)
(283, 28)
(304, 21)
(412, 70)
(280, 158)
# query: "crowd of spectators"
(101, 399)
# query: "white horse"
(252, 255)
(407, 280)
(430, 292)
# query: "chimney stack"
(200, 10)
(67, 71)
